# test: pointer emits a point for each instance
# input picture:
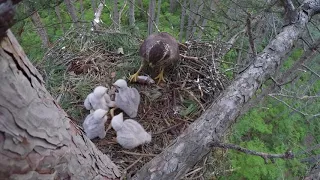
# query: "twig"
(189, 57)
(183, 46)
(311, 70)
(288, 96)
(195, 98)
(305, 114)
(284, 77)
(194, 171)
(138, 154)
(168, 129)
(265, 156)
(124, 172)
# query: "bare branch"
(285, 77)
(300, 112)
(97, 16)
(251, 40)
(296, 97)
(265, 156)
(308, 68)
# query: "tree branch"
(192, 145)
(284, 77)
(251, 40)
(265, 156)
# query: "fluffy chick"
(127, 98)
(130, 133)
(93, 125)
(98, 99)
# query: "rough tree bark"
(36, 21)
(132, 19)
(192, 145)
(72, 12)
(37, 139)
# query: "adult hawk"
(158, 50)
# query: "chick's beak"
(116, 87)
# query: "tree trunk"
(115, 18)
(57, 10)
(173, 5)
(193, 144)
(158, 13)
(151, 14)
(72, 11)
(205, 20)
(132, 20)
(97, 15)
(93, 5)
(197, 17)
(142, 12)
(191, 10)
(36, 21)
(183, 15)
(38, 140)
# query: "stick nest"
(76, 64)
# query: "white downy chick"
(130, 133)
(127, 98)
(93, 125)
(98, 99)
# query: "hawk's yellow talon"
(133, 78)
(160, 76)
(135, 75)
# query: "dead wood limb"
(138, 154)
(97, 14)
(192, 145)
(289, 106)
(287, 155)
(125, 171)
(251, 39)
(285, 77)
(168, 129)
(309, 69)
(183, 46)
(189, 57)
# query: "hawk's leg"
(160, 76)
(135, 75)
